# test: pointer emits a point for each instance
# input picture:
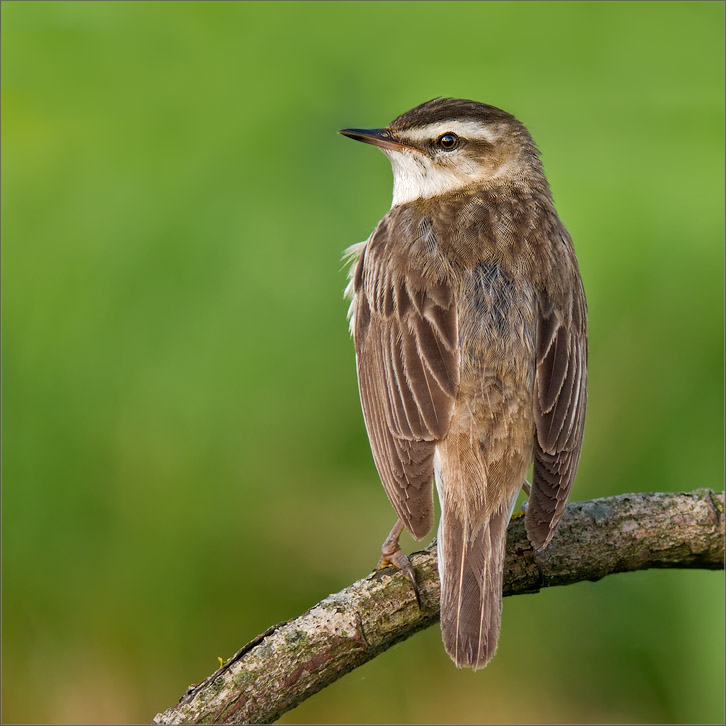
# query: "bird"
(469, 322)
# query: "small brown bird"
(469, 321)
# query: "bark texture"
(291, 661)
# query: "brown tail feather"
(471, 565)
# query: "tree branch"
(291, 661)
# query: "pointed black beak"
(382, 138)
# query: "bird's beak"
(382, 138)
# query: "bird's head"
(449, 144)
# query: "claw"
(399, 560)
(392, 554)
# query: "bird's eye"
(448, 142)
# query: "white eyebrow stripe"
(467, 129)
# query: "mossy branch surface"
(291, 661)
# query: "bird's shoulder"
(513, 228)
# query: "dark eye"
(448, 142)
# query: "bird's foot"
(527, 489)
(392, 554)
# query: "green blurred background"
(185, 461)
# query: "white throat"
(416, 177)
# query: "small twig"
(291, 661)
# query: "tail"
(471, 566)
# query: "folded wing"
(559, 411)
(405, 332)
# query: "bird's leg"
(527, 488)
(392, 554)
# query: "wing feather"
(406, 340)
(559, 403)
